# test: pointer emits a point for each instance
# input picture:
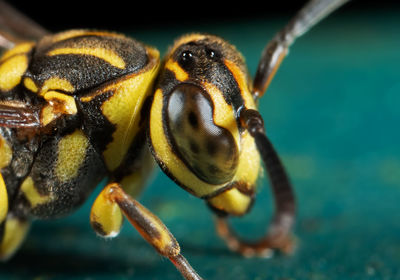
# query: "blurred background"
(332, 112)
(131, 15)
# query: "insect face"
(194, 129)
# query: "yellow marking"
(5, 153)
(3, 200)
(169, 158)
(30, 84)
(248, 168)
(58, 104)
(153, 55)
(69, 105)
(14, 233)
(107, 214)
(71, 154)
(180, 74)
(249, 159)
(108, 55)
(232, 201)
(242, 80)
(91, 96)
(11, 71)
(5, 159)
(56, 83)
(223, 115)
(47, 115)
(123, 110)
(19, 49)
(80, 32)
(32, 195)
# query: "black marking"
(145, 111)
(212, 147)
(86, 71)
(96, 126)
(203, 60)
(193, 120)
(98, 228)
(194, 147)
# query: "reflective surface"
(208, 150)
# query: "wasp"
(83, 105)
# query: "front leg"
(279, 234)
(106, 220)
(13, 229)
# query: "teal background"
(332, 112)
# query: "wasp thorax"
(208, 150)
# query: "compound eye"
(208, 150)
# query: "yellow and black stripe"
(86, 58)
(88, 90)
(194, 129)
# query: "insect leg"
(147, 224)
(274, 52)
(3, 200)
(14, 232)
(12, 228)
(278, 235)
(18, 115)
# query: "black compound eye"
(208, 150)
